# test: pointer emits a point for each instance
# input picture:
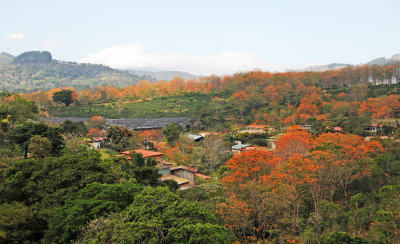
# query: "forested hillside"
(33, 71)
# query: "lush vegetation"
(321, 183)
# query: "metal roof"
(132, 124)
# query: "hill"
(320, 68)
(38, 71)
(6, 57)
(161, 75)
(385, 61)
(334, 66)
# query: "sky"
(203, 37)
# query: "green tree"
(21, 134)
(63, 96)
(77, 128)
(143, 170)
(18, 109)
(172, 132)
(39, 147)
(341, 237)
(18, 224)
(158, 216)
(120, 138)
(49, 182)
(93, 201)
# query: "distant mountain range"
(35, 70)
(377, 61)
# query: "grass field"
(160, 107)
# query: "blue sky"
(204, 37)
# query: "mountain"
(31, 71)
(165, 75)
(319, 68)
(378, 61)
(6, 57)
(385, 61)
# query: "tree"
(17, 109)
(21, 134)
(240, 99)
(171, 132)
(39, 147)
(77, 128)
(91, 202)
(143, 170)
(63, 96)
(157, 215)
(96, 122)
(49, 182)
(19, 223)
(120, 138)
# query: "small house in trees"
(338, 129)
(183, 175)
(183, 183)
(184, 172)
(164, 168)
(98, 141)
(145, 154)
(373, 128)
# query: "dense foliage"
(324, 168)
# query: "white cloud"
(134, 55)
(16, 36)
(52, 44)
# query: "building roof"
(145, 153)
(131, 124)
(99, 138)
(184, 167)
(196, 137)
(163, 166)
(187, 186)
(145, 124)
(178, 179)
(203, 176)
(240, 146)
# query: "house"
(184, 172)
(145, 154)
(98, 142)
(164, 168)
(183, 175)
(338, 129)
(182, 183)
(373, 128)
